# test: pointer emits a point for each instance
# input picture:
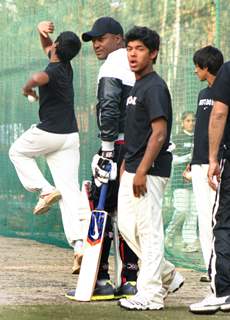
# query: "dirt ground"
(34, 273)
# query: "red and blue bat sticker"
(96, 226)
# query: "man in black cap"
(115, 80)
(56, 136)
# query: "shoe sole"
(176, 289)
(212, 310)
(94, 298)
(49, 202)
(72, 298)
(139, 309)
(203, 279)
(41, 210)
(103, 298)
(124, 296)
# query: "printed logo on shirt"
(131, 100)
(206, 102)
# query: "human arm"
(216, 128)
(44, 28)
(37, 79)
(108, 111)
(154, 145)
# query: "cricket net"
(184, 26)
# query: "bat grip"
(103, 192)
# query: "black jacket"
(115, 81)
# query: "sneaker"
(77, 263)
(205, 278)
(45, 201)
(210, 305)
(126, 290)
(70, 295)
(174, 283)
(103, 292)
(139, 303)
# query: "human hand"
(29, 92)
(45, 27)
(214, 174)
(187, 174)
(139, 184)
(100, 172)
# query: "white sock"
(78, 245)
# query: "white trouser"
(184, 214)
(62, 155)
(205, 197)
(140, 223)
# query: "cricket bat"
(93, 248)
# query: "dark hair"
(148, 37)
(209, 57)
(186, 113)
(68, 45)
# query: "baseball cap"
(69, 45)
(102, 26)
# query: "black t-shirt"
(56, 99)
(221, 92)
(183, 146)
(204, 108)
(149, 100)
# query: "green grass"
(98, 311)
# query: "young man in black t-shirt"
(207, 61)
(55, 137)
(219, 180)
(145, 171)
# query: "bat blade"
(92, 256)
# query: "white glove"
(101, 175)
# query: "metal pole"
(217, 36)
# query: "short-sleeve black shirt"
(221, 92)
(149, 100)
(56, 99)
(204, 108)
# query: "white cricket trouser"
(61, 152)
(185, 214)
(205, 198)
(140, 223)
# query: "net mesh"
(184, 26)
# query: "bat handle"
(101, 203)
(103, 192)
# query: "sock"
(78, 246)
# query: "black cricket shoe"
(126, 290)
(103, 292)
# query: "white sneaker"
(174, 283)
(139, 303)
(45, 201)
(210, 305)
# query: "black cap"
(102, 26)
(68, 45)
